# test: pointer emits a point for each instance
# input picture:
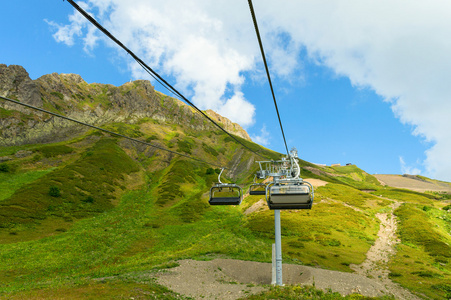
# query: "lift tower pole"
(278, 237)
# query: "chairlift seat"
(256, 189)
(225, 194)
(290, 196)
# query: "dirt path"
(377, 258)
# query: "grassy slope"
(168, 217)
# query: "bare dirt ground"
(316, 182)
(232, 279)
(417, 185)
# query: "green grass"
(406, 196)
(329, 235)
(54, 150)
(351, 196)
(121, 241)
(425, 253)
(5, 113)
(99, 174)
(418, 229)
(9, 183)
(120, 287)
(308, 293)
(185, 146)
(131, 130)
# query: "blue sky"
(364, 83)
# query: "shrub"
(151, 138)
(54, 191)
(209, 171)
(4, 168)
(184, 146)
(426, 274)
(209, 150)
(443, 287)
(426, 208)
(89, 199)
(394, 274)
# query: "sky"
(362, 82)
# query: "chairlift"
(225, 193)
(293, 194)
(257, 188)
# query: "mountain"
(87, 215)
(96, 104)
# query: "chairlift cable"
(254, 19)
(149, 70)
(109, 131)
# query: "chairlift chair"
(289, 195)
(225, 193)
(257, 189)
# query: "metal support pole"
(278, 247)
(273, 265)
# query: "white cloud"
(405, 169)
(241, 110)
(400, 49)
(263, 138)
(66, 33)
(195, 42)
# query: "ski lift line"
(148, 69)
(109, 131)
(254, 19)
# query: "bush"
(54, 191)
(4, 168)
(209, 171)
(89, 199)
(427, 208)
(443, 287)
(184, 146)
(151, 138)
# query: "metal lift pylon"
(289, 192)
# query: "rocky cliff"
(96, 104)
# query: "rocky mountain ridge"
(96, 104)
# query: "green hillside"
(94, 216)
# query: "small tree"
(54, 191)
(210, 171)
